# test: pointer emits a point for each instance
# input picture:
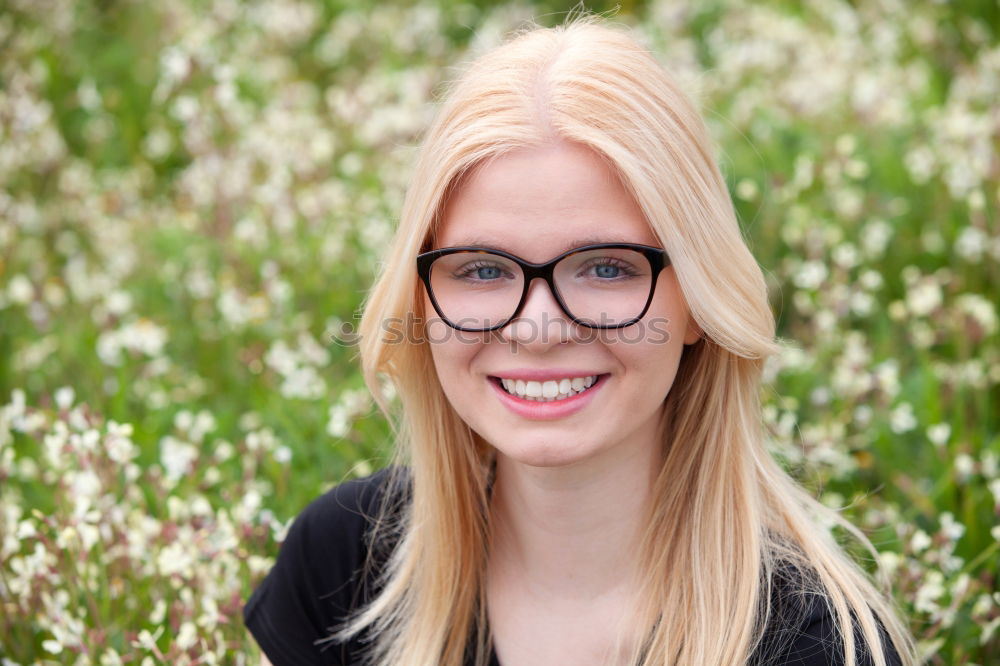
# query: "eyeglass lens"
(600, 287)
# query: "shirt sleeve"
(317, 579)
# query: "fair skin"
(570, 493)
(571, 490)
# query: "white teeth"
(550, 390)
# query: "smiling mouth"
(552, 390)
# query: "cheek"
(452, 352)
(650, 351)
(453, 363)
(668, 320)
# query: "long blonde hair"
(726, 518)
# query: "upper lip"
(541, 375)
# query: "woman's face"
(536, 203)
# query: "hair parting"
(726, 519)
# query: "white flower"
(223, 450)
(889, 562)
(111, 658)
(175, 559)
(159, 612)
(20, 290)
(88, 95)
(311, 351)
(118, 442)
(85, 482)
(176, 456)
(810, 275)
(203, 424)
(950, 527)
(862, 303)
(262, 439)
(980, 309)
(64, 397)
(338, 424)
(281, 358)
(875, 237)
(989, 463)
(971, 243)
(845, 255)
(965, 466)
(924, 297)
(185, 108)
(920, 541)
(939, 433)
(200, 506)
(747, 189)
(157, 144)
(187, 636)
(902, 419)
(174, 64)
(142, 336)
(352, 403)
(118, 302)
(929, 593)
(147, 640)
(54, 443)
(304, 382)
(820, 395)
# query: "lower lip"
(546, 411)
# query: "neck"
(573, 530)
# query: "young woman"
(581, 477)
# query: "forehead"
(540, 201)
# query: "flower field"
(194, 198)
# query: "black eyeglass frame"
(657, 258)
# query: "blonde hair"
(726, 518)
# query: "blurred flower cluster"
(109, 561)
(194, 194)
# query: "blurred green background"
(194, 196)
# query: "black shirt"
(318, 580)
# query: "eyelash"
(627, 268)
(604, 261)
(468, 269)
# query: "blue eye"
(608, 269)
(480, 272)
(488, 273)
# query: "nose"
(541, 323)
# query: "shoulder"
(347, 509)
(329, 540)
(802, 629)
(323, 571)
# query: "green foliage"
(194, 196)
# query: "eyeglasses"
(602, 286)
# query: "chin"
(543, 455)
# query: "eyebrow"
(480, 241)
